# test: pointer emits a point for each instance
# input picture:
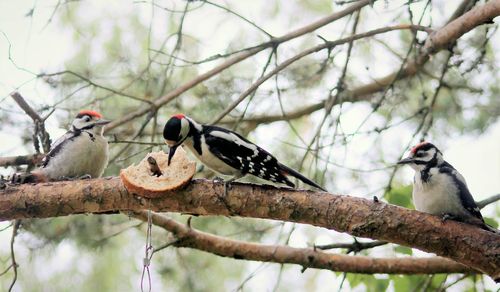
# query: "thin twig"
(304, 53)
(355, 247)
(236, 59)
(14, 265)
(25, 106)
(40, 131)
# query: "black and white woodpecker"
(439, 189)
(81, 152)
(227, 152)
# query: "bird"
(82, 152)
(439, 189)
(227, 152)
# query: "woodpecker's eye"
(86, 118)
(420, 154)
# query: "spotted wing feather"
(242, 154)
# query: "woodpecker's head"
(89, 120)
(176, 130)
(423, 155)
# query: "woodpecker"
(439, 189)
(227, 152)
(81, 152)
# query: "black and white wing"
(465, 196)
(58, 145)
(243, 155)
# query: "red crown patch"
(416, 147)
(89, 113)
(179, 116)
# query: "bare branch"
(436, 42)
(355, 247)
(32, 159)
(25, 106)
(360, 217)
(40, 131)
(236, 59)
(306, 257)
(326, 45)
(15, 228)
(487, 201)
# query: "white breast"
(210, 160)
(438, 196)
(79, 157)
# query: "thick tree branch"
(439, 40)
(466, 244)
(306, 257)
(234, 60)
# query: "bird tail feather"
(490, 228)
(302, 178)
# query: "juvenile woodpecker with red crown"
(81, 152)
(439, 189)
(227, 152)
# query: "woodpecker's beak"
(171, 152)
(102, 122)
(407, 160)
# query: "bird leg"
(229, 181)
(448, 217)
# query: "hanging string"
(148, 254)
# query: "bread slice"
(139, 179)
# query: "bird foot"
(227, 183)
(85, 176)
(20, 178)
(227, 186)
(446, 217)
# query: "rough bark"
(466, 244)
(306, 257)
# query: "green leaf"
(371, 283)
(490, 221)
(400, 195)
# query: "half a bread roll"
(145, 180)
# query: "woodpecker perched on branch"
(439, 189)
(81, 152)
(227, 152)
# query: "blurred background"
(118, 56)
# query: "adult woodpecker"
(227, 152)
(439, 189)
(81, 152)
